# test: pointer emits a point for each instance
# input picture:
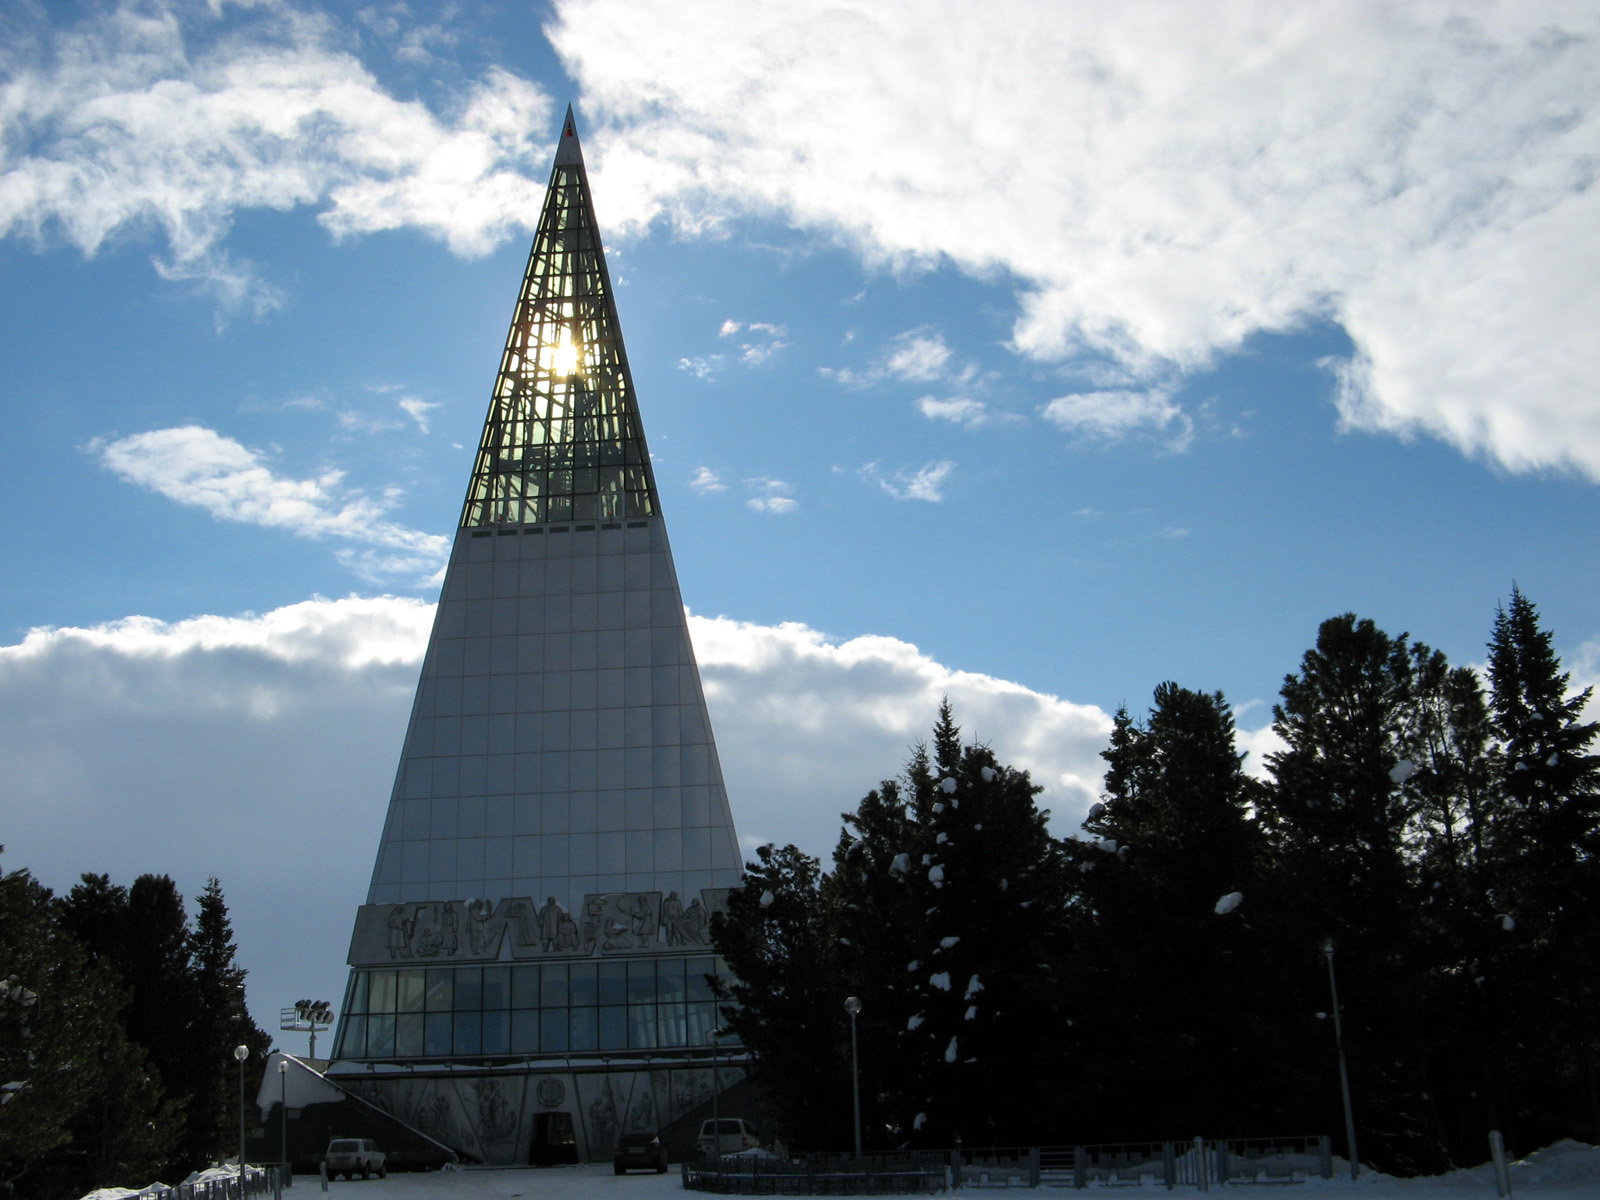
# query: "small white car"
(350, 1156)
(726, 1135)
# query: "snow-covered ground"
(1565, 1171)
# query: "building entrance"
(554, 1143)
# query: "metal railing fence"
(1201, 1164)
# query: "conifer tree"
(1546, 870)
(221, 1022)
(1171, 948)
(129, 1129)
(1339, 820)
(1452, 781)
(983, 963)
(54, 1005)
(783, 1004)
(874, 914)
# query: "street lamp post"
(283, 1123)
(241, 1053)
(853, 1006)
(1344, 1075)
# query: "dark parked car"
(638, 1151)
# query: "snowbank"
(1565, 1171)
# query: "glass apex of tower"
(562, 440)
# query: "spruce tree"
(55, 1008)
(1546, 876)
(873, 911)
(784, 1002)
(1452, 781)
(1161, 968)
(1339, 819)
(983, 962)
(221, 1022)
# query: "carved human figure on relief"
(695, 920)
(642, 1116)
(399, 932)
(594, 912)
(603, 1118)
(566, 933)
(672, 919)
(616, 935)
(497, 1120)
(644, 922)
(549, 924)
(478, 914)
(450, 928)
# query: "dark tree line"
(1165, 973)
(118, 1019)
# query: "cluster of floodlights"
(314, 1012)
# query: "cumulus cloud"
(958, 410)
(175, 117)
(925, 483)
(800, 716)
(263, 748)
(1113, 415)
(257, 748)
(1161, 183)
(199, 467)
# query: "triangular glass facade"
(562, 441)
(536, 938)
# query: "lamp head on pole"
(241, 1052)
(852, 1005)
(283, 1066)
(1327, 947)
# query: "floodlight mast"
(307, 1016)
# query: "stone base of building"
(543, 1113)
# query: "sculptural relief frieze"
(522, 928)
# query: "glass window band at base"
(529, 1008)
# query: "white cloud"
(918, 356)
(1114, 415)
(773, 504)
(707, 480)
(199, 467)
(1584, 666)
(923, 484)
(806, 724)
(753, 354)
(702, 368)
(418, 410)
(767, 342)
(1164, 181)
(263, 748)
(175, 117)
(773, 496)
(958, 410)
(354, 421)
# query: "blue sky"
(1031, 356)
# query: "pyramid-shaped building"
(529, 973)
